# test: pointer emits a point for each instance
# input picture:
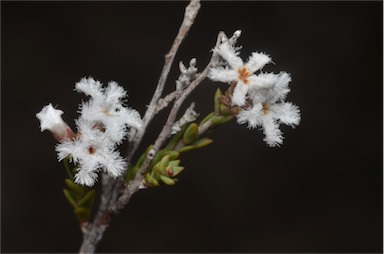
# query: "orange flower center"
(244, 74)
(91, 150)
(265, 108)
(106, 112)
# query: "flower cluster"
(103, 124)
(259, 97)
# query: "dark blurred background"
(320, 192)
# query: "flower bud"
(50, 119)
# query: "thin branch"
(189, 17)
(189, 116)
(96, 229)
(163, 102)
(166, 131)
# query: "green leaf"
(186, 149)
(175, 139)
(177, 170)
(167, 180)
(218, 93)
(202, 142)
(87, 200)
(76, 190)
(69, 197)
(143, 157)
(82, 214)
(164, 161)
(217, 120)
(225, 110)
(132, 171)
(68, 167)
(151, 181)
(225, 119)
(173, 163)
(191, 134)
(159, 155)
(173, 155)
(207, 118)
(155, 170)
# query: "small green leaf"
(177, 170)
(87, 200)
(167, 180)
(158, 157)
(82, 214)
(225, 119)
(173, 163)
(164, 161)
(143, 156)
(218, 93)
(173, 155)
(68, 167)
(132, 171)
(191, 134)
(69, 197)
(202, 142)
(186, 149)
(156, 169)
(151, 181)
(207, 118)
(225, 110)
(217, 120)
(175, 139)
(76, 190)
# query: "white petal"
(131, 117)
(273, 135)
(257, 61)
(287, 113)
(252, 116)
(114, 165)
(113, 93)
(90, 87)
(263, 80)
(228, 53)
(85, 177)
(223, 75)
(239, 94)
(281, 88)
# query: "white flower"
(103, 124)
(50, 119)
(242, 74)
(105, 108)
(92, 151)
(277, 92)
(269, 115)
(259, 98)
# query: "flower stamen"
(265, 108)
(244, 74)
(91, 150)
(106, 112)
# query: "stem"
(189, 17)
(165, 132)
(94, 232)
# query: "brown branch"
(94, 231)
(189, 17)
(163, 136)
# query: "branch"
(189, 17)
(189, 116)
(166, 131)
(95, 230)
